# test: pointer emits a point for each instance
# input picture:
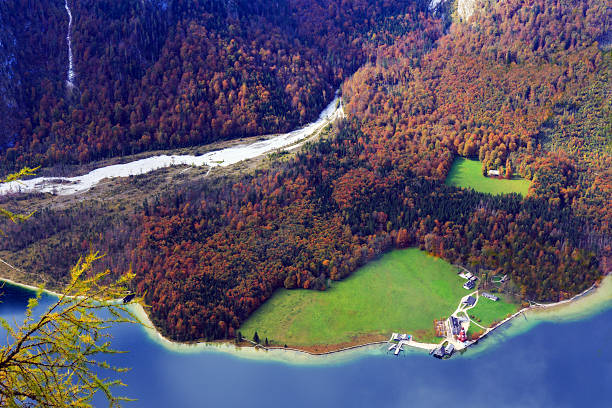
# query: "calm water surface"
(566, 364)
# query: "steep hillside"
(10, 82)
(165, 74)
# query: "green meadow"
(490, 312)
(403, 291)
(468, 174)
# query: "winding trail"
(223, 158)
(71, 75)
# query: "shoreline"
(23, 285)
(596, 298)
(534, 306)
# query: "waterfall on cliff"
(71, 75)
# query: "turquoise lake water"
(560, 364)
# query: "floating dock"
(398, 341)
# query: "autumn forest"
(522, 85)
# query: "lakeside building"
(462, 336)
(454, 325)
(439, 352)
(442, 351)
(469, 301)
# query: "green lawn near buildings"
(403, 291)
(468, 173)
(490, 312)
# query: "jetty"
(398, 341)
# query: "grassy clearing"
(468, 173)
(403, 291)
(489, 311)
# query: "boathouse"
(439, 352)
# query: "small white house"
(490, 296)
(469, 285)
(493, 173)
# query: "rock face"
(435, 3)
(465, 8)
(9, 81)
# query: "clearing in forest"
(403, 291)
(468, 174)
(489, 312)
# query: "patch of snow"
(223, 158)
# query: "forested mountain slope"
(9, 81)
(509, 86)
(164, 74)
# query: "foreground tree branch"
(51, 359)
(54, 358)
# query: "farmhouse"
(454, 324)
